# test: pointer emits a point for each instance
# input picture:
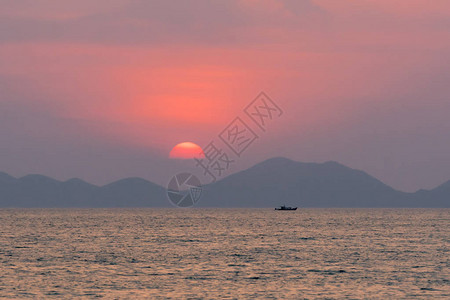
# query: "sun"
(186, 150)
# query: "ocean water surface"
(225, 253)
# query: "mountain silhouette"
(270, 183)
(283, 181)
(42, 191)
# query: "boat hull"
(290, 208)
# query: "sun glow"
(186, 150)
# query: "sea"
(225, 253)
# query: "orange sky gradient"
(362, 82)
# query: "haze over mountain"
(270, 183)
(42, 191)
(104, 89)
(282, 181)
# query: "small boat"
(284, 207)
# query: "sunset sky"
(104, 89)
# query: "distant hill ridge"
(270, 183)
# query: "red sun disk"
(186, 150)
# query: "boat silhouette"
(284, 207)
